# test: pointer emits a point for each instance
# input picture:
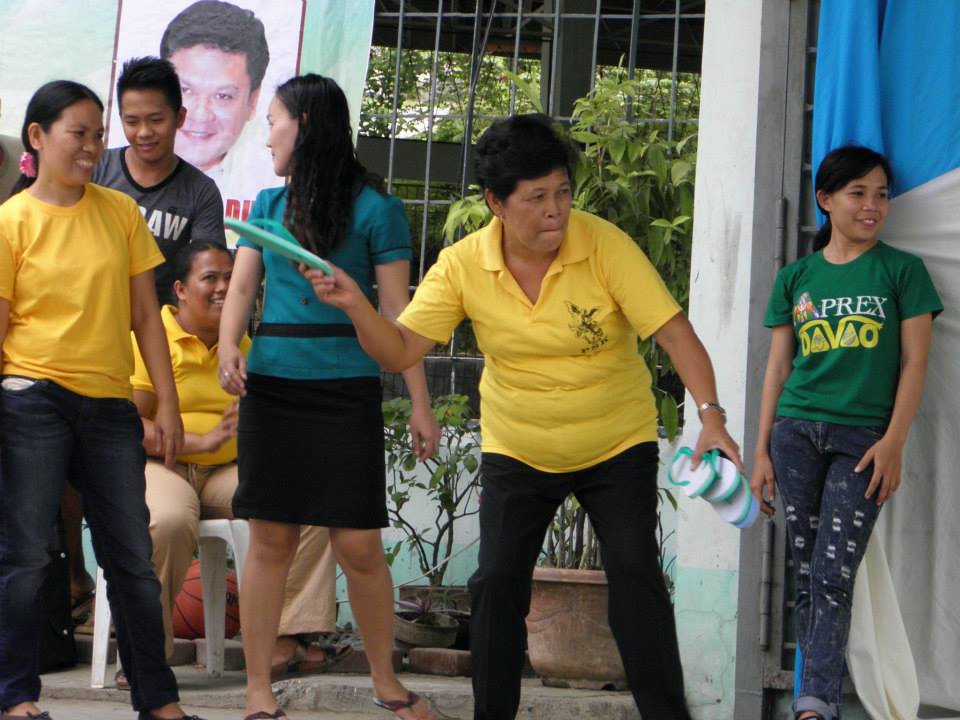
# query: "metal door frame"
(782, 226)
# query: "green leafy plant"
(572, 543)
(449, 480)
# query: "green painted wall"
(706, 612)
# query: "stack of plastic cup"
(716, 480)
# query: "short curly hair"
(521, 147)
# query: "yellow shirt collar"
(175, 333)
(578, 243)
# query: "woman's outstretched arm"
(392, 345)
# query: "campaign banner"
(230, 55)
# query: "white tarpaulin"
(888, 77)
(920, 528)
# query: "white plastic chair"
(214, 537)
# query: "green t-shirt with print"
(846, 322)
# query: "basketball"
(188, 610)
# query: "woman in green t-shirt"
(851, 336)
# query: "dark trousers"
(829, 523)
(49, 434)
(516, 507)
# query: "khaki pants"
(179, 498)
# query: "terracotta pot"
(409, 634)
(568, 636)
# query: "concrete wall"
(708, 549)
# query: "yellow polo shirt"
(202, 401)
(563, 386)
(66, 273)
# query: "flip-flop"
(396, 706)
(264, 715)
(42, 716)
(120, 680)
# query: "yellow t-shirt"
(563, 386)
(66, 273)
(202, 401)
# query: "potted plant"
(417, 624)
(643, 184)
(449, 483)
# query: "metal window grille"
(438, 78)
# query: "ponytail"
(25, 180)
(823, 235)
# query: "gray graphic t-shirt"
(184, 208)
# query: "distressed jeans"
(828, 525)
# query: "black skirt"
(310, 452)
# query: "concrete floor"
(337, 697)
(93, 710)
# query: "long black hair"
(839, 167)
(325, 174)
(45, 108)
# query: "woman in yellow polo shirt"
(202, 482)
(557, 298)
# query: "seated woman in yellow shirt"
(202, 482)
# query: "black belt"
(306, 330)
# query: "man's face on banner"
(218, 100)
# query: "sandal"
(81, 607)
(264, 715)
(42, 716)
(120, 680)
(396, 706)
(298, 664)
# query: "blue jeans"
(828, 525)
(49, 434)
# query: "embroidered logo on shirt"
(586, 328)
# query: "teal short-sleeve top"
(303, 338)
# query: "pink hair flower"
(27, 165)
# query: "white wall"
(708, 548)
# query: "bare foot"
(420, 710)
(260, 701)
(284, 650)
(171, 711)
(26, 709)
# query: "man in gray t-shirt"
(179, 203)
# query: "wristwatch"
(701, 409)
